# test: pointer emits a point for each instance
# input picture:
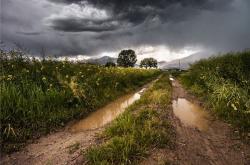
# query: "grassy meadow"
(143, 126)
(224, 84)
(39, 96)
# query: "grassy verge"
(143, 126)
(39, 96)
(224, 84)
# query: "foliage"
(142, 126)
(126, 58)
(39, 96)
(148, 62)
(224, 82)
(110, 64)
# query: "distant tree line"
(128, 58)
(148, 63)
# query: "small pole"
(179, 64)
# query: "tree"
(126, 58)
(110, 64)
(148, 62)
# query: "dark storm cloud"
(78, 25)
(90, 27)
(136, 12)
(29, 33)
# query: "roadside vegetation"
(224, 84)
(143, 126)
(40, 96)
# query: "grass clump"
(224, 83)
(39, 96)
(142, 126)
(74, 147)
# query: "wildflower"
(67, 76)
(50, 85)
(56, 68)
(44, 78)
(9, 77)
(234, 107)
(12, 66)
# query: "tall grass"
(39, 96)
(143, 126)
(224, 83)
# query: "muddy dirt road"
(65, 147)
(200, 138)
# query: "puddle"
(191, 114)
(107, 113)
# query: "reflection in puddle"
(106, 114)
(190, 114)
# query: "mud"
(106, 114)
(66, 146)
(197, 146)
(190, 114)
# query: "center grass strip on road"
(143, 126)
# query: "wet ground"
(57, 147)
(190, 114)
(200, 137)
(106, 114)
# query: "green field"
(39, 96)
(223, 82)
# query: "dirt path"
(215, 145)
(65, 146)
(58, 148)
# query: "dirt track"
(53, 149)
(216, 145)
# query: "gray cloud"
(29, 33)
(210, 24)
(78, 25)
(136, 12)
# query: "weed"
(224, 84)
(138, 129)
(74, 147)
(40, 96)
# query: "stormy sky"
(164, 29)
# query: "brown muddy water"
(106, 114)
(191, 114)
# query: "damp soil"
(65, 147)
(201, 138)
(190, 114)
